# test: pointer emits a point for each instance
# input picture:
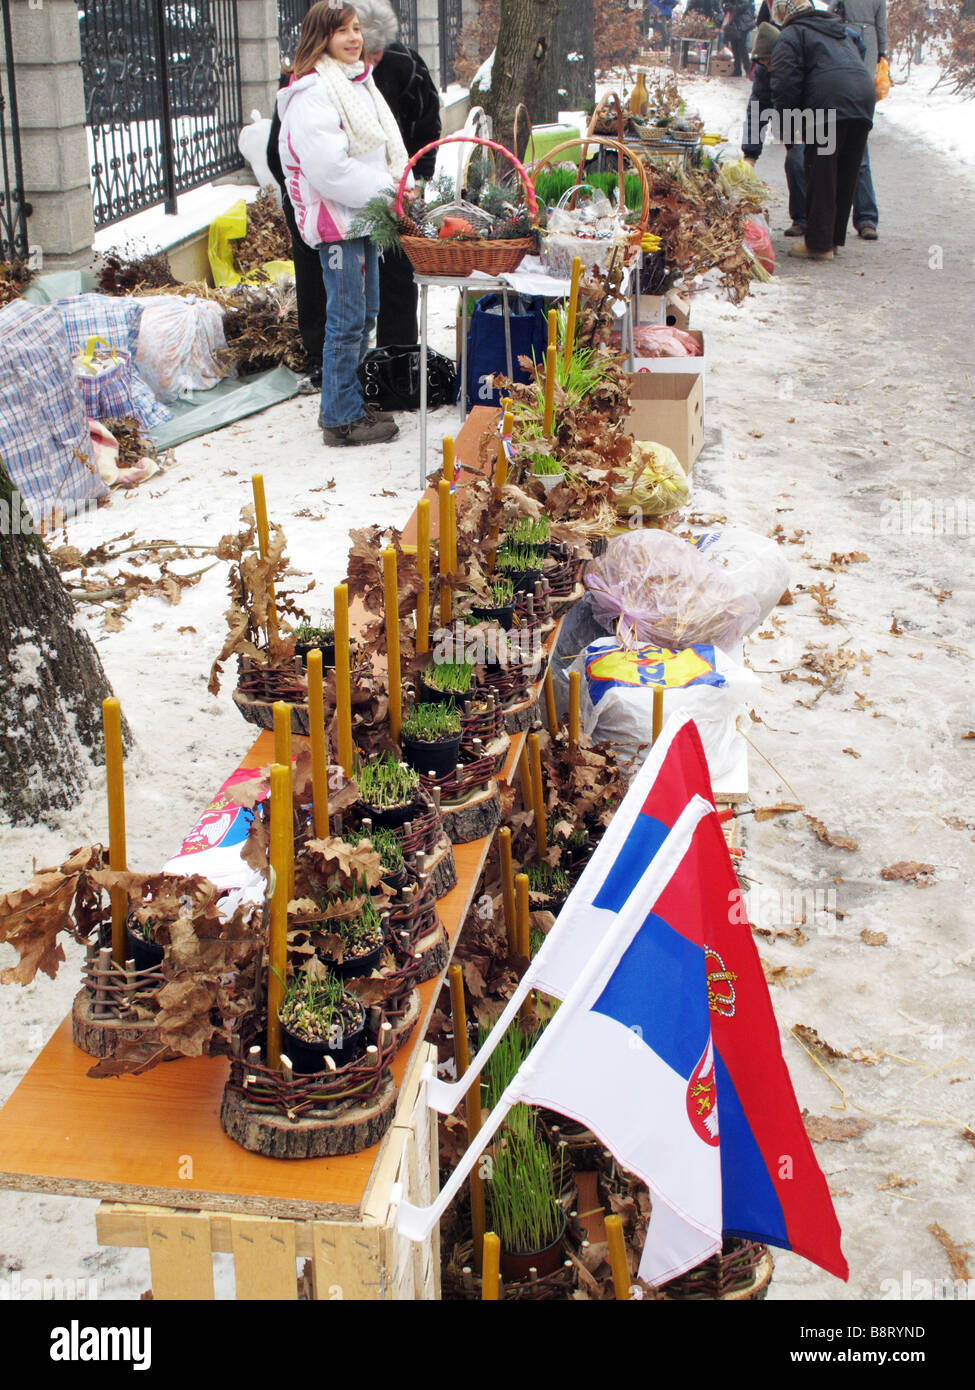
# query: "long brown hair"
(321, 22)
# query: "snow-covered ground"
(805, 437)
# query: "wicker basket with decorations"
(457, 247)
(558, 248)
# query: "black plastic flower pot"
(353, 966)
(436, 759)
(504, 617)
(516, 1264)
(308, 1057)
(392, 817)
(524, 580)
(396, 879)
(146, 954)
(327, 650)
(432, 694)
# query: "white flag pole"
(445, 1096)
(416, 1223)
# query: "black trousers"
(738, 43)
(309, 290)
(398, 296)
(831, 181)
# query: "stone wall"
(51, 102)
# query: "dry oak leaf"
(767, 812)
(853, 752)
(970, 734)
(825, 1050)
(873, 938)
(909, 871)
(957, 1254)
(780, 974)
(851, 557)
(824, 1128)
(828, 838)
(894, 1183)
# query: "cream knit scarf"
(366, 119)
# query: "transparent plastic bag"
(656, 587)
(179, 341)
(753, 562)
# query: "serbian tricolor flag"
(666, 1045)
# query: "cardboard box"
(668, 409)
(652, 308)
(677, 313)
(721, 65)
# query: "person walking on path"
(868, 19)
(757, 119)
(738, 24)
(816, 68)
(339, 147)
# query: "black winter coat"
(403, 78)
(815, 65)
(742, 19)
(404, 81)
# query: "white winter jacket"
(327, 187)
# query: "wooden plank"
(180, 1256)
(264, 1259)
(350, 1261)
(375, 1201)
(117, 1223)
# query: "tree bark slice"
(523, 716)
(275, 1136)
(442, 871)
(100, 1037)
(434, 951)
(51, 674)
(474, 818)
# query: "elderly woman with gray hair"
(411, 94)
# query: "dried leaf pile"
(267, 238)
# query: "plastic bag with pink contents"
(657, 587)
(656, 340)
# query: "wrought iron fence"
(162, 99)
(13, 210)
(291, 13)
(451, 22)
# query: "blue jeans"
(350, 271)
(864, 199)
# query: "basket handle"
(528, 121)
(620, 149)
(470, 140)
(620, 124)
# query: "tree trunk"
(524, 48)
(568, 83)
(51, 675)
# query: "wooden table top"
(157, 1138)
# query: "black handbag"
(390, 378)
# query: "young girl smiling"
(340, 146)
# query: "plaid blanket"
(44, 437)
